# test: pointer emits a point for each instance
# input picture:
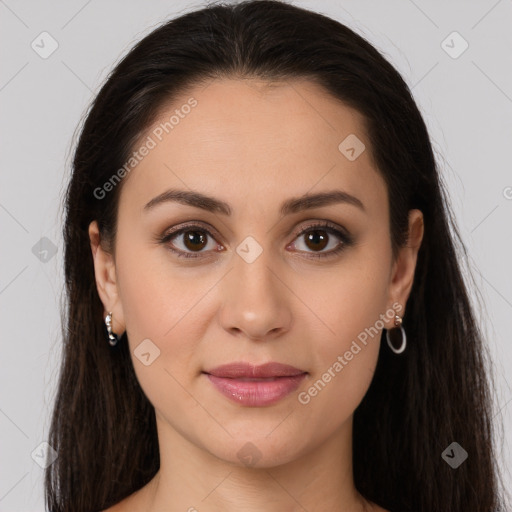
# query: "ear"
(106, 283)
(402, 274)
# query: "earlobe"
(105, 277)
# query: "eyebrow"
(290, 206)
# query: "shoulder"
(377, 508)
(121, 506)
(126, 505)
(114, 508)
(134, 501)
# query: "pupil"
(317, 238)
(194, 238)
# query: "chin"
(258, 450)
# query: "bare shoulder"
(124, 506)
(127, 505)
(121, 506)
(376, 508)
(136, 501)
(114, 508)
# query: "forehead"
(241, 139)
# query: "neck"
(193, 480)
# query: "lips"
(247, 371)
(255, 386)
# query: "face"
(265, 277)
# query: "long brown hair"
(438, 392)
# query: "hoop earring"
(398, 323)
(113, 338)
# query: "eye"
(190, 239)
(320, 236)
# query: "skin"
(254, 146)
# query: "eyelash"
(346, 239)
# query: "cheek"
(348, 302)
(156, 293)
(165, 318)
(346, 348)
(345, 359)
(167, 307)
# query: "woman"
(266, 309)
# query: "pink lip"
(255, 386)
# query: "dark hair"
(439, 391)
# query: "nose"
(256, 301)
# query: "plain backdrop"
(465, 95)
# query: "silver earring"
(398, 323)
(113, 338)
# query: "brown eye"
(190, 242)
(317, 239)
(194, 240)
(322, 241)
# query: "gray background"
(466, 102)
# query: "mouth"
(255, 386)
(243, 370)
(255, 379)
